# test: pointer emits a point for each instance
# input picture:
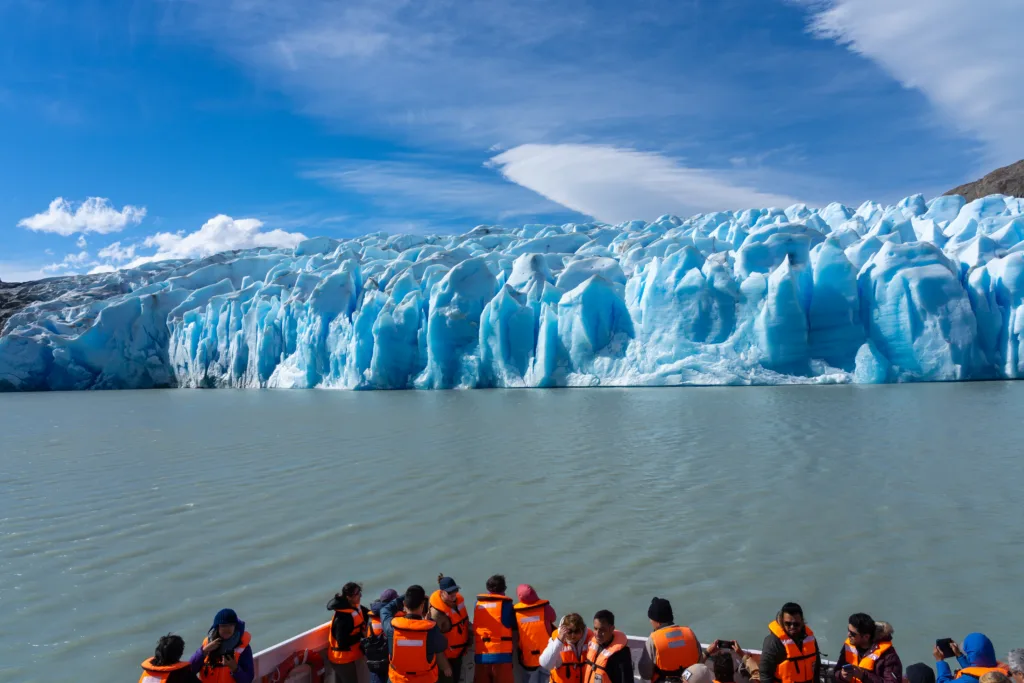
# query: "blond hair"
(994, 677)
(574, 623)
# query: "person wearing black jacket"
(619, 666)
(790, 620)
(347, 634)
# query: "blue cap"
(448, 584)
(225, 616)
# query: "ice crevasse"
(918, 291)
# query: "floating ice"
(919, 291)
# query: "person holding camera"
(225, 656)
(165, 666)
(868, 655)
(415, 643)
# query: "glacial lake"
(126, 515)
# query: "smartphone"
(724, 644)
(945, 646)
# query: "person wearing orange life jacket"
(535, 620)
(608, 658)
(374, 643)
(448, 610)
(868, 655)
(165, 666)
(225, 655)
(348, 626)
(493, 623)
(790, 651)
(670, 649)
(977, 658)
(566, 651)
(416, 644)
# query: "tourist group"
(421, 638)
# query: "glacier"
(917, 291)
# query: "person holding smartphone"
(868, 656)
(976, 658)
(225, 656)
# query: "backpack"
(376, 650)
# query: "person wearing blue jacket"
(977, 658)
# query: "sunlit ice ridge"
(918, 291)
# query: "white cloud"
(80, 242)
(103, 268)
(220, 233)
(964, 56)
(614, 184)
(70, 263)
(95, 214)
(116, 253)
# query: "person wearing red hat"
(535, 620)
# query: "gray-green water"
(127, 515)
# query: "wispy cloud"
(964, 56)
(614, 184)
(414, 186)
(95, 214)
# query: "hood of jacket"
(979, 650)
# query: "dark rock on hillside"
(1008, 180)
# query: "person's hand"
(713, 648)
(956, 649)
(563, 633)
(737, 649)
(211, 646)
(937, 653)
(843, 674)
(230, 662)
(446, 669)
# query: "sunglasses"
(792, 624)
(853, 634)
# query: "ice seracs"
(917, 291)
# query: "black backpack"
(376, 650)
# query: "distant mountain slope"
(1008, 180)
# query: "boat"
(315, 641)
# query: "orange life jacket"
(490, 636)
(598, 656)
(979, 671)
(533, 632)
(675, 649)
(374, 627)
(221, 673)
(868, 661)
(571, 668)
(798, 666)
(155, 674)
(409, 661)
(340, 655)
(458, 636)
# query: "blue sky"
(169, 128)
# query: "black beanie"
(660, 611)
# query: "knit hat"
(698, 673)
(526, 594)
(225, 616)
(660, 611)
(388, 595)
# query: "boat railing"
(315, 640)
